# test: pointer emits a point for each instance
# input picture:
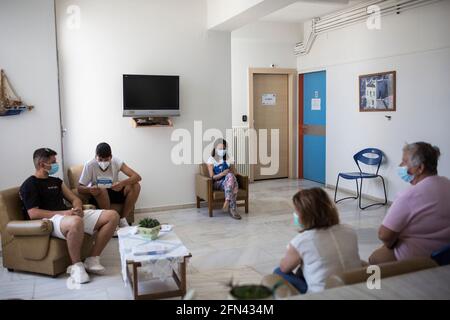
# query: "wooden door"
(270, 109)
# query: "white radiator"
(240, 149)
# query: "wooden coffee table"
(179, 280)
(131, 262)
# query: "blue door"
(314, 126)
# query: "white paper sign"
(104, 182)
(316, 104)
(269, 99)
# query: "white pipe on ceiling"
(354, 15)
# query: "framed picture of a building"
(377, 92)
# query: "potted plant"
(249, 292)
(149, 228)
(277, 290)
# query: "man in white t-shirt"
(100, 179)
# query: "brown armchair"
(27, 245)
(388, 269)
(205, 192)
(74, 174)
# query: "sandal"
(235, 215)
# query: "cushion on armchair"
(203, 170)
(33, 237)
(30, 228)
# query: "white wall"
(28, 56)
(221, 10)
(229, 15)
(143, 37)
(417, 45)
(259, 45)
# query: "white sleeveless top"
(326, 252)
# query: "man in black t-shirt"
(43, 197)
(42, 193)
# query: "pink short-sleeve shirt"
(421, 215)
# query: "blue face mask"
(404, 175)
(54, 169)
(297, 221)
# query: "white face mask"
(104, 164)
(221, 152)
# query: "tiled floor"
(222, 248)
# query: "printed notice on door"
(269, 99)
(315, 104)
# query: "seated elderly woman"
(418, 221)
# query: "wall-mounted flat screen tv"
(151, 96)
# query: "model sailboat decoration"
(10, 103)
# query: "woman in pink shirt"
(418, 221)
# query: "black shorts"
(114, 197)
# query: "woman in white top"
(221, 170)
(323, 247)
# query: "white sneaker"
(92, 265)
(123, 223)
(78, 273)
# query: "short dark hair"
(424, 153)
(103, 150)
(316, 209)
(42, 154)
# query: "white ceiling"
(302, 11)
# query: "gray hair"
(423, 153)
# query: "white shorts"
(90, 220)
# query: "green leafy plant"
(249, 291)
(149, 223)
(149, 228)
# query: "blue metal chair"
(442, 256)
(372, 161)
